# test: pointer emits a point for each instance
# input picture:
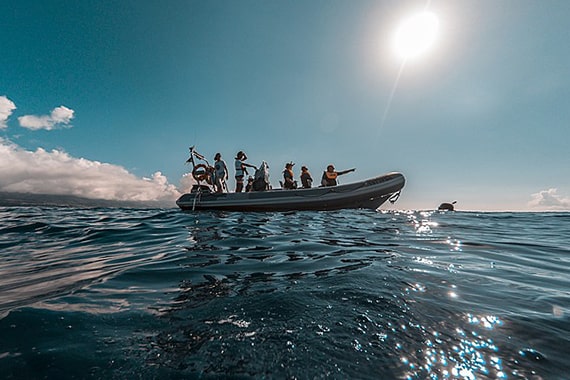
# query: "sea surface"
(118, 293)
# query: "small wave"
(348, 294)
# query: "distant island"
(51, 200)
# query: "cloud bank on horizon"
(549, 200)
(57, 173)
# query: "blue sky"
(103, 98)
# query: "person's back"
(306, 179)
(261, 181)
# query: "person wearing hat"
(306, 179)
(289, 182)
(241, 170)
(330, 176)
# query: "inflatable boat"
(368, 194)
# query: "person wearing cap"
(330, 176)
(220, 173)
(289, 182)
(241, 170)
(306, 179)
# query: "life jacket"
(240, 170)
(329, 179)
(288, 174)
(331, 176)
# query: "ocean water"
(116, 293)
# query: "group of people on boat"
(219, 174)
(329, 177)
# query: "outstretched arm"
(346, 171)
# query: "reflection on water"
(471, 355)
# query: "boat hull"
(369, 194)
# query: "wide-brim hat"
(290, 164)
(304, 168)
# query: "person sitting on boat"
(289, 183)
(330, 176)
(220, 174)
(249, 186)
(261, 179)
(241, 170)
(306, 179)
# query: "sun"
(416, 35)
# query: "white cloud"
(60, 117)
(6, 108)
(549, 200)
(186, 182)
(56, 172)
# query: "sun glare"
(416, 35)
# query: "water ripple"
(352, 294)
